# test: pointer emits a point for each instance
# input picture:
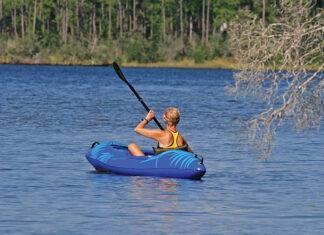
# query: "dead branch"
(277, 56)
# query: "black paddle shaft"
(122, 77)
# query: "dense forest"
(142, 31)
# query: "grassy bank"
(219, 63)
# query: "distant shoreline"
(219, 63)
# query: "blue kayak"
(114, 157)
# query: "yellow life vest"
(175, 138)
(174, 145)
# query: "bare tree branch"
(275, 61)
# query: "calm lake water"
(49, 117)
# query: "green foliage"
(219, 47)
(169, 49)
(19, 50)
(50, 40)
(225, 10)
(141, 50)
(200, 54)
(74, 30)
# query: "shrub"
(200, 54)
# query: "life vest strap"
(159, 150)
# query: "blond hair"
(172, 116)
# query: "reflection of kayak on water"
(114, 157)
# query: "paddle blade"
(119, 72)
